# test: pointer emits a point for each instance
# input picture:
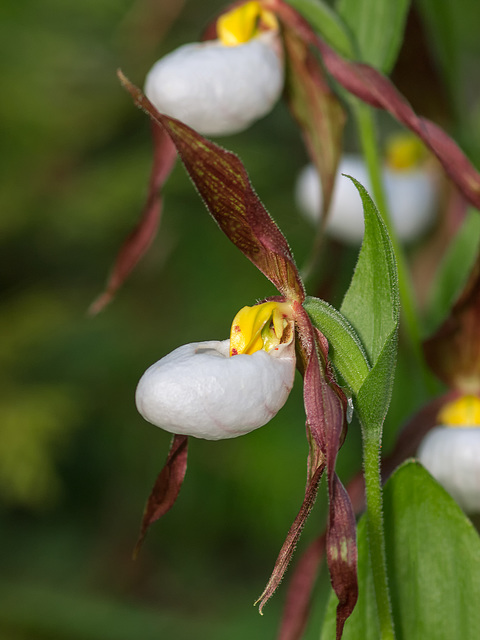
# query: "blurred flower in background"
(451, 451)
(411, 181)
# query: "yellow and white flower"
(451, 452)
(222, 86)
(224, 389)
(410, 189)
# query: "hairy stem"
(376, 539)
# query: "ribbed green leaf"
(378, 27)
(371, 302)
(371, 305)
(433, 560)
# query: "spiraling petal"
(218, 90)
(199, 390)
(166, 488)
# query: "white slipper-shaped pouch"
(451, 453)
(201, 390)
(219, 89)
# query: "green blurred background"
(76, 460)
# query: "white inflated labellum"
(411, 196)
(217, 89)
(198, 390)
(452, 456)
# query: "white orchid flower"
(222, 86)
(451, 452)
(410, 189)
(224, 389)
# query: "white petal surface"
(218, 90)
(411, 196)
(452, 456)
(199, 390)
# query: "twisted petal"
(215, 89)
(370, 86)
(222, 182)
(140, 238)
(199, 390)
(166, 488)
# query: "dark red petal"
(297, 604)
(316, 467)
(325, 409)
(139, 240)
(342, 551)
(166, 488)
(302, 581)
(222, 182)
(372, 87)
(316, 109)
(453, 352)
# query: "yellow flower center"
(263, 326)
(244, 23)
(404, 151)
(464, 412)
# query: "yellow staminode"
(242, 23)
(259, 327)
(404, 151)
(464, 412)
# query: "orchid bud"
(451, 452)
(201, 390)
(410, 190)
(222, 86)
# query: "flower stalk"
(376, 537)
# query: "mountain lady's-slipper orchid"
(224, 389)
(208, 377)
(410, 189)
(222, 86)
(451, 451)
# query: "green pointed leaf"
(378, 27)
(371, 303)
(328, 24)
(345, 348)
(433, 561)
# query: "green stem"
(376, 540)
(366, 127)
